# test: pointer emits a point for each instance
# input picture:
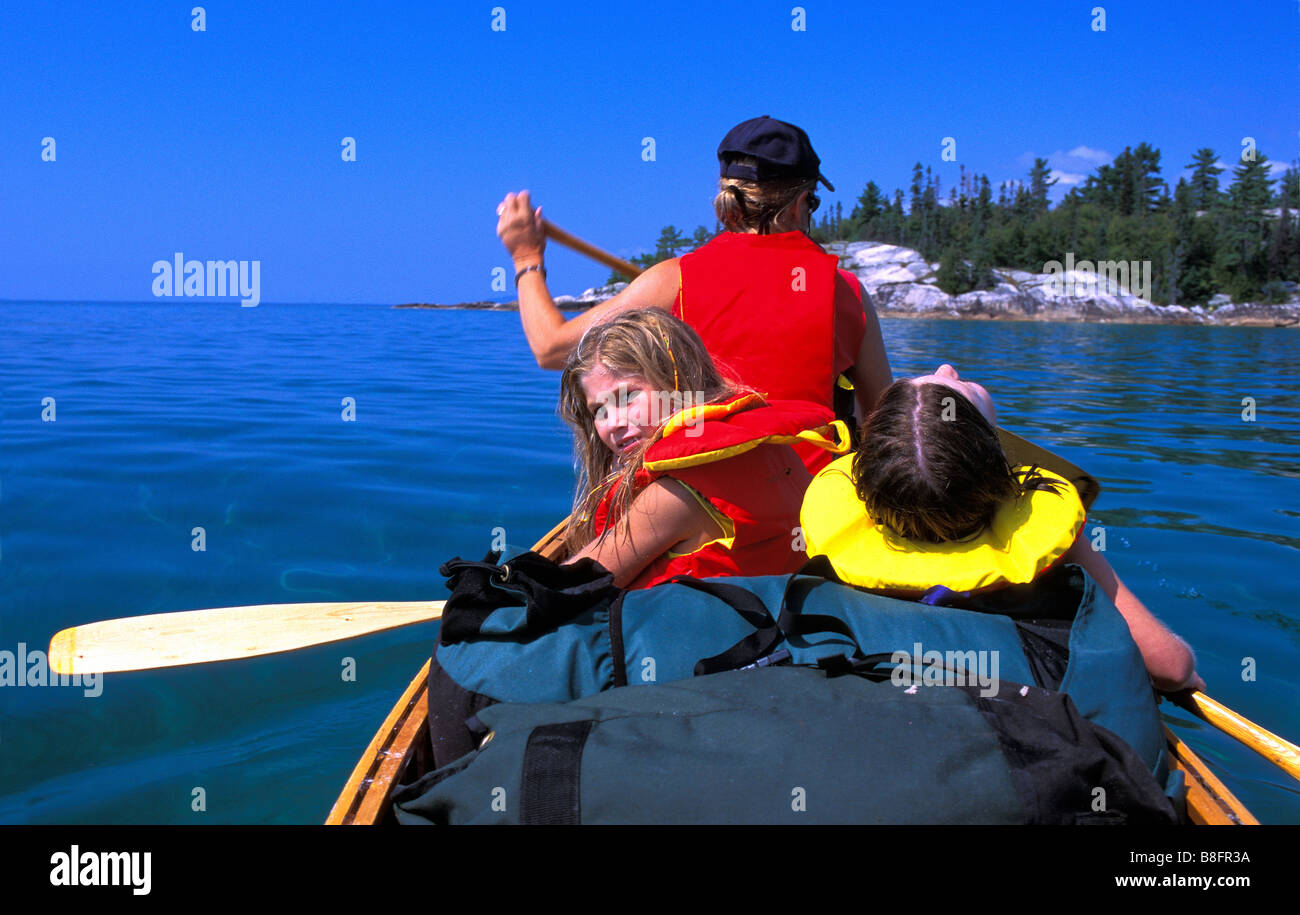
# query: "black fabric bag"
(514, 602)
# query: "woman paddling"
(929, 508)
(772, 308)
(681, 473)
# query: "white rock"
(887, 273)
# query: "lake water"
(167, 417)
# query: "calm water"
(170, 417)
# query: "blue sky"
(225, 143)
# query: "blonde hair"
(743, 205)
(670, 357)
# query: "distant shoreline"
(487, 306)
(902, 284)
(1282, 320)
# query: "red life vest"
(771, 325)
(736, 455)
(765, 307)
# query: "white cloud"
(1066, 179)
(1095, 156)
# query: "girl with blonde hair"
(680, 471)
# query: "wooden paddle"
(1283, 753)
(1018, 450)
(223, 634)
(627, 268)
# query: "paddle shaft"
(627, 268)
(1283, 753)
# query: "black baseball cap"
(781, 150)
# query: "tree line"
(1201, 238)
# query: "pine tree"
(983, 206)
(896, 214)
(918, 186)
(1280, 247)
(981, 269)
(669, 243)
(1288, 191)
(1146, 178)
(1040, 181)
(1205, 179)
(1242, 262)
(865, 217)
(953, 276)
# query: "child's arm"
(1169, 661)
(662, 515)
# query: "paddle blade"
(223, 634)
(1020, 451)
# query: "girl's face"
(622, 407)
(976, 394)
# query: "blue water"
(175, 416)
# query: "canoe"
(400, 753)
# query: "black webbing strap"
(552, 774)
(789, 623)
(616, 649)
(868, 666)
(766, 634)
(794, 622)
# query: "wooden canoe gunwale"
(401, 742)
(400, 753)
(1209, 802)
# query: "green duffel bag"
(793, 745)
(532, 631)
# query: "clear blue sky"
(226, 143)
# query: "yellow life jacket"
(1026, 537)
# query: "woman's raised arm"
(550, 336)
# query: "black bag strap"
(791, 622)
(765, 637)
(868, 666)
(552, 774)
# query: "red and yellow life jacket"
(764, 305)
(735, 458)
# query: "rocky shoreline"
(901, 284)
